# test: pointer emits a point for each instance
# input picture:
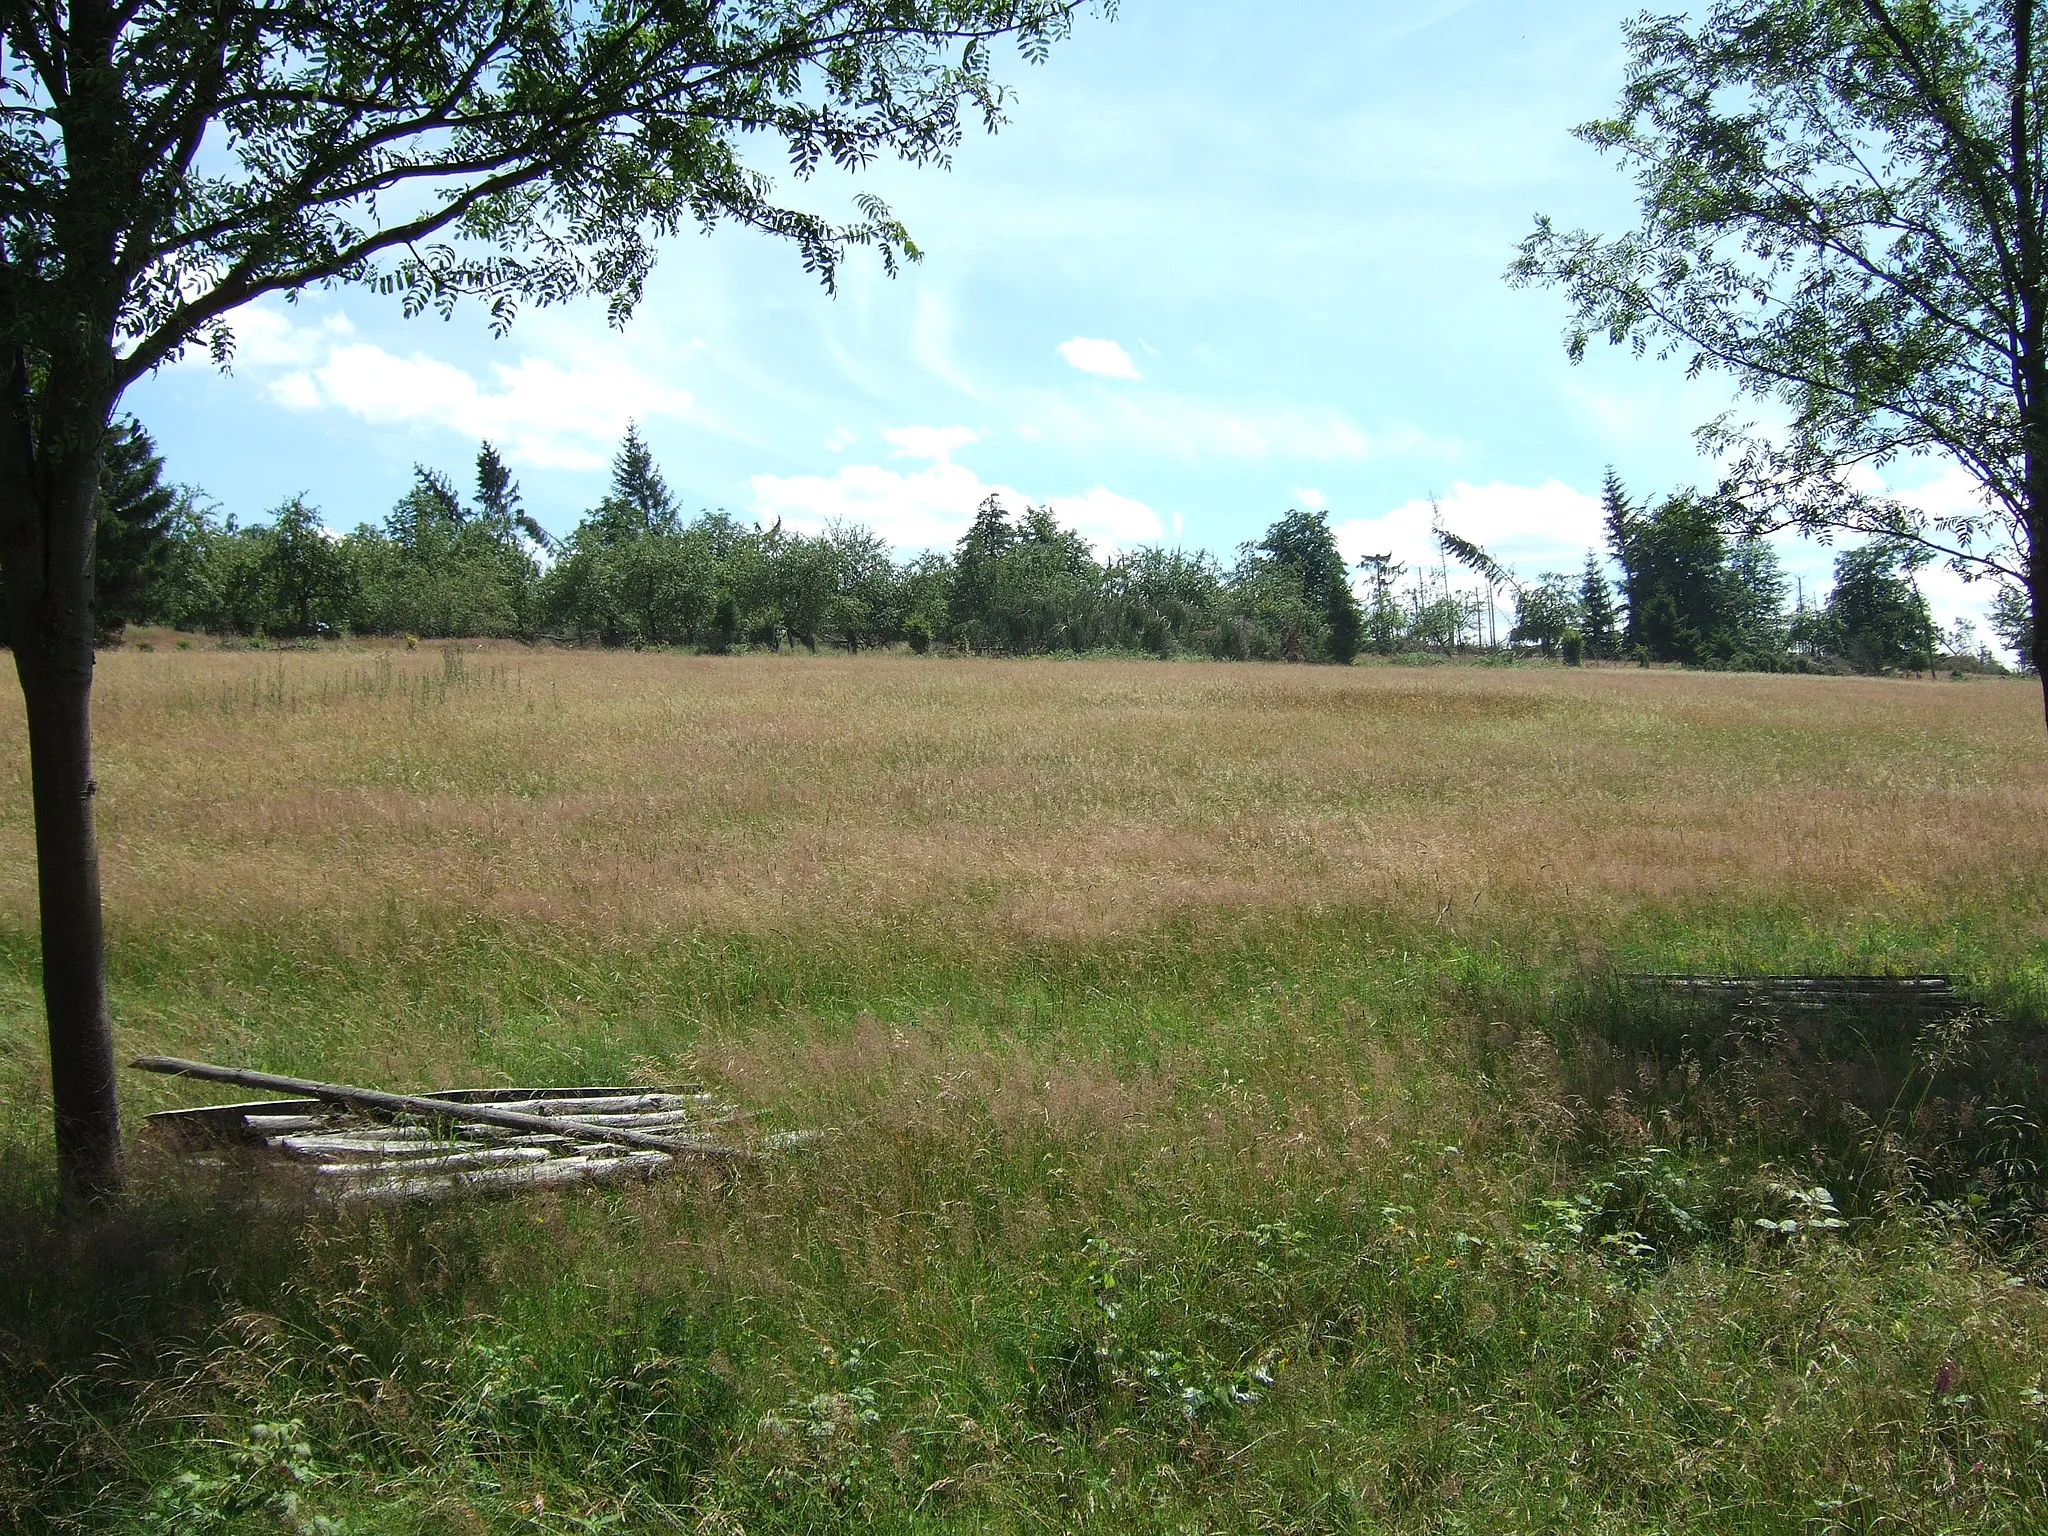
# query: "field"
(1237, 1118)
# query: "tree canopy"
(164, 163)
(1844, 208)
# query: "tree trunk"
(56, 683)
(2037, 583)
(48, 496)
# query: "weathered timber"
(454, 1162)
(540, 1175)
(377, 1102)
(1814, 994)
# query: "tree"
(1753, 606)
(307, 572)
(132, 539)
(163, 163)
(971, 601)
(1302, 544)
(1545, 612)
(1876, 619)
(1674, 563)
(1845, 208)
(2012, 620)
(1383, 624)
(497, 493)
(1599, 619)
(639, 501)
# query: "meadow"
(1237, 1113)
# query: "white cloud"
(930, 507)
(839, 439)
(1311, 498)
(1530, 528)
(1108, 521)
(267, 338)
(539, 411)
(1105, 359)
(920, 510)
(295, 392)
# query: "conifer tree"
(497, 493)
(1599, 619)
(639, 502)
(1620, 518)
(132, 544)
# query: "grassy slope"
(1234, 1126)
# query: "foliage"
(1876, 617)
(2012, 619)
(1842, 209)
(1545, 612)
(1599, 619)
(132, 546)
(636, 572)
(518, 156)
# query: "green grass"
(1311, 1225)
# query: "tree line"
(1691, 592)
(636, 572)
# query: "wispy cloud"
(1196, 430)
(935, 443)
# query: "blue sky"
(1223, 261)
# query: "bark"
(56, 684)
(2036, 584)
(47, 492)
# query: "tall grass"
(1235, 1118)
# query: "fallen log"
(377, 1102)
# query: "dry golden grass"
(1263, 1219)
(622, 793)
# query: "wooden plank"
(593, 1108)
(478, 1157)
(361, 1144)
(540, 1175)
(1814, 993)
(554, 1095)
(375, 1101)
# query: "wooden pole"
(379, 1102)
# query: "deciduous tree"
(1844, 208)
(163, 162)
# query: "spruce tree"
(638, 484)
(497, 493)
(1599, 619)
(639, 502)
(1620, 518)
(132, 545)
